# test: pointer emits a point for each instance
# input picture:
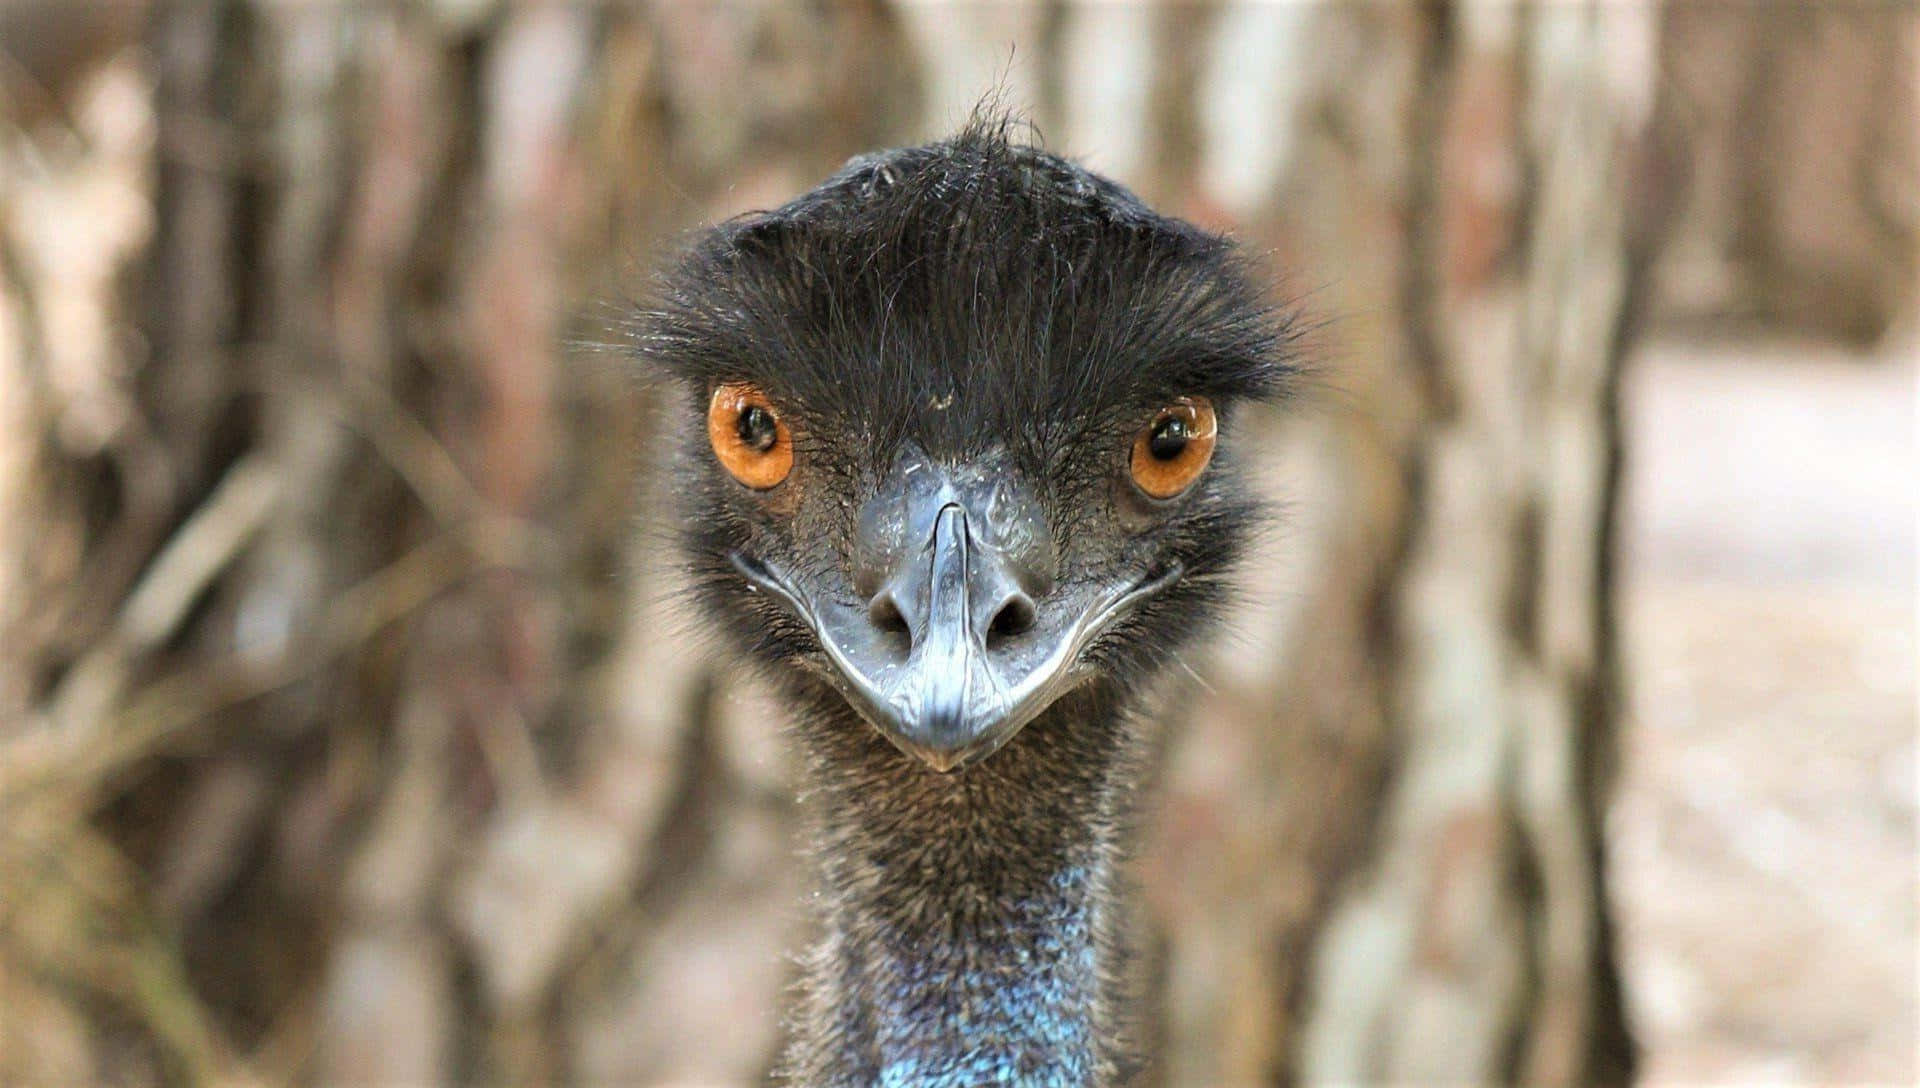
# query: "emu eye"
(748, 437)
(1171, 451)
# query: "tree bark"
(1471, 942)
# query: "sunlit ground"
(1764, 835)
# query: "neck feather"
(968, 929)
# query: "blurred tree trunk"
(1384, 860)
(349, 734)
(1471, 938)
(1803, 202)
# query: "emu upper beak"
(952, 655)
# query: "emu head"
(958, 434)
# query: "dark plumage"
(963, 344)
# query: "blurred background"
(349, 735)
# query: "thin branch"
(161, 599)
(164, 711)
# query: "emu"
(958, 475)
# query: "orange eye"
(748, 437)
(1170, 453)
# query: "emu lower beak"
(951, 658)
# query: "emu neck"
(967, 917)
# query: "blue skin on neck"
(1010, 1002)
(965, 936)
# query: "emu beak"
(952, 655)
(950, 703)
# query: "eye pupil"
(1169, 438)
(756, 428)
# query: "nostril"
(1016, 615)
(885, 613)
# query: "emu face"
(957, 434)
